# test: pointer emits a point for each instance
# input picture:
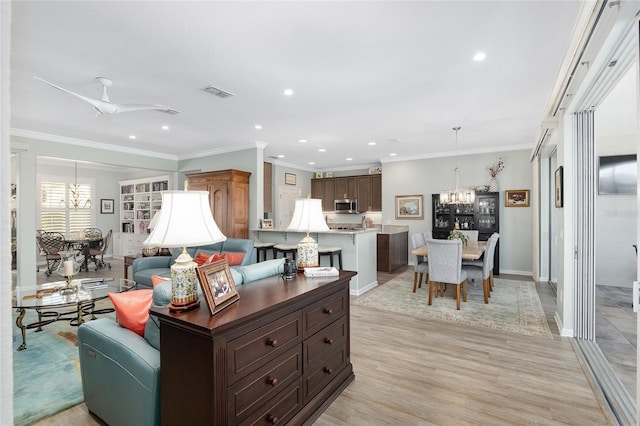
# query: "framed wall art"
(266, 223)
(106, 206)
(559, 196)
(289, 178)
(409, 207)
(516, 198)
(217, 285)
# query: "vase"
(493, 185)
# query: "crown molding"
(88, 143)
(223, 150)
(489, 150)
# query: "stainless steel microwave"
(346, 206)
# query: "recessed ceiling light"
(288, 92)
(311, 163)
(371, 143)
(280, 155)
(258, 126)
(302, 141)
(479, 56)
(321, 150)
(393, 154)
(132, 136)
(165, 127)
(349, 158)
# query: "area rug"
(514, 306)
(46, 375)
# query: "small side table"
(128, 261)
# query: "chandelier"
(78, 198)
(457, 196)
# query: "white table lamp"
(308, 217)
(184, 220)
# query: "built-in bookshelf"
(140, 199)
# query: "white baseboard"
(513, 272)
(564, 332)
(364, 289)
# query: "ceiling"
(400, 74)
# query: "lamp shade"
(308, 217)
(184, 220)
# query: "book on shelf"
(323, 271)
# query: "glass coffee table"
(55, 301)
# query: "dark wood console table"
(280, 355)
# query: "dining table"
(83, 245)
(473, 250)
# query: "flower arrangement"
(496, 168)
(459, 235)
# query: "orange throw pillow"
(132, 309)
(232, 258)
(202, 258)
(156, 279)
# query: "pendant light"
(457, 196)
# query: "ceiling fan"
(104, 104)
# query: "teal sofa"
(144, 268)
(121, 370)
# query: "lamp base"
(184, 308)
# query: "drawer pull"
(272, 342)
(328, 340)
(328, 311)
(328, 370)
(272, 419)
(272, 381)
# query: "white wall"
(430, 176)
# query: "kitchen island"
(358, 251)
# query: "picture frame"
(559, 192)
(516, 198)
(218, 287)
(266, 223)
(410, 207)
(107, 206)
(290, 178)
(318, 175)
(328, 175)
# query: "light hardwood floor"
(413, 371)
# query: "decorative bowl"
(149, 251)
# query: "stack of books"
(323, 271)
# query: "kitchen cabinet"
(376, 193)
(392, 250)
(229, 199)
(346, 187)
(364, 193)
(324, 190)
(367, 189)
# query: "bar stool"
(331, 251)
(262, 247)
(286, 249)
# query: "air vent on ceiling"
(218, 92)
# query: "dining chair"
(445, 267)
(472, 235)
(93, 237)
(420, 266)
(485, 269)
(50, 244)
(100, 251)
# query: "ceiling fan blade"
(104, 106)
(100, 106)
(143, 107)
